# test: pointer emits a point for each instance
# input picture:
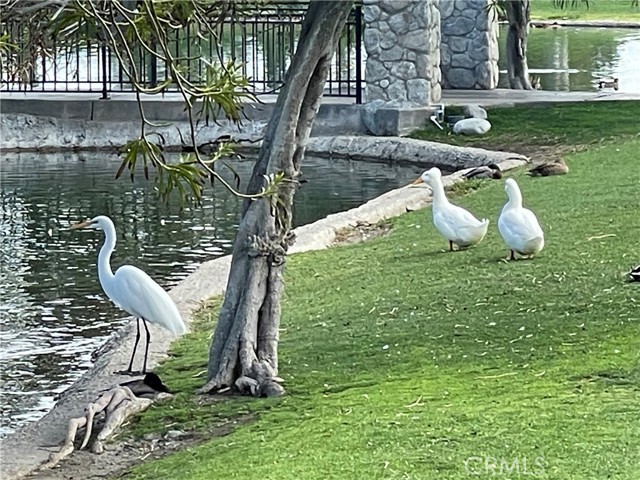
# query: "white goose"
(454, 223)
(519, 226)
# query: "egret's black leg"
(450, 246)
(146, 348)
(135, 346)
(513, 255)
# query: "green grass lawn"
(568, 124)
(403, 360)
(596, 10)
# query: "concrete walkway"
(335, 114)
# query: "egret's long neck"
(515, 198)
(104, 257)
(439, 197)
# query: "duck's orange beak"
(417, 182)
(80, 225)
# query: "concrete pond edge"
(29, 447)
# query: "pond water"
(53, 313)
(575, 59)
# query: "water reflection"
(53, 313)
(575, 59)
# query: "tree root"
(119, 404)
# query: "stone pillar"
(402, 41)
(469, 49)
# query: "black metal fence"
(264, 44)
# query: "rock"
(369, 114)
(399, 23)
(468, 44)
(460, 78)
(475, 111)
(472, 126)
(458, 26)
(418, 91)
(371, 14)
(403, 45)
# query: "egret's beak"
(80, 225)
(417, 182)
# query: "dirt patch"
(361, 232)
(121, 455)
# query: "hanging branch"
(124, 25)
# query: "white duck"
(454, 223)
(519, 226)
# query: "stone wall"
(402, 40)
(469, 48)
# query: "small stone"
(460, 78)
(371, 13)
(418, 41)
(462, 60)
(384, 83)
(393, 54)
(485, 74)
(397, 90)
(374, 93)
(458, 44)
(404, 70)
(474, 111)
(388, 40)
(375, 70)
(173, 434)
(472, 126)
(372, 40)
(446, 8)
(399, 23)
(458, 26)
(368, 114)
(393, 6)
(419, 91)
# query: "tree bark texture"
(244, 350)
(518, 16)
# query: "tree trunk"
(244, 350)
(518, 16)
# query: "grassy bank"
(405, 361)
(566, 125)
(596, 10)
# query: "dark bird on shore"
(559, 167)
(634, 274)
(147, 387)
(608, 84)
(486, 171)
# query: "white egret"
(519, 226)
(133, 290)
(454, 223)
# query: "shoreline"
(583, 23)
(29, 447)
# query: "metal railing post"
(358, 20)
(105, 90)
